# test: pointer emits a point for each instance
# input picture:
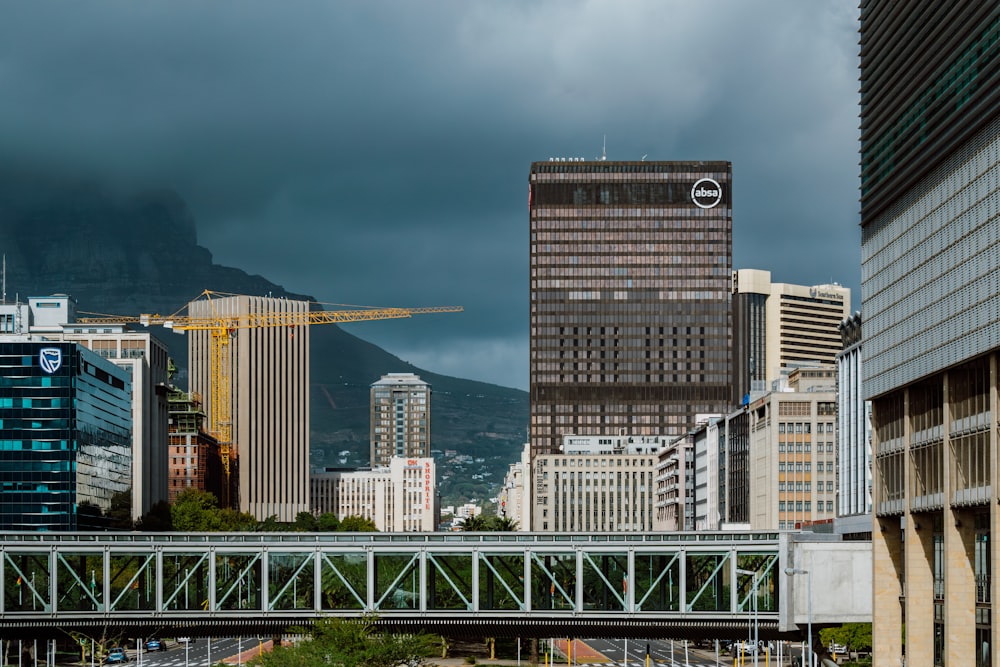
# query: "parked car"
(155, 645)
(116, 656)
(185, 640)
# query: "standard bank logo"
(50, 359)
(706, 193)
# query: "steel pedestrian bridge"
(698, 584)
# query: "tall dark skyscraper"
(930, 283)
(631, 326)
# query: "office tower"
(144, 358)
(398, 497)
(66, 459)
(791, 456)
(261, 378)
(930, 173)
(400, 418)
(629, 295)
(854, 450)
(780, 326)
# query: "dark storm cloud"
(377, 153)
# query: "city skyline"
(315, 143)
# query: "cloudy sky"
(377, 152)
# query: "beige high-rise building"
(400, 418)
(266, 399)
(792, 452)
(779, 326)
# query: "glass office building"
(65, 437)
(930, 218)
(631, 326)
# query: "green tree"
(351, 643)
(356, 524)
(855, 636)
(305, 522)
(195, 510)
(157, 519)
(475, 523)
(327, 522)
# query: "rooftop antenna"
(5, 278)
(604, 149)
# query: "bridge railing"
(221, 575)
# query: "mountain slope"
(133, 254)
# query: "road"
(202, 652)
(674, 654)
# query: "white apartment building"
(596, 484)
(514, 502)
(854, 437)
(399, 497)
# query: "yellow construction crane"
(222, 327)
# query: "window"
(809, 506)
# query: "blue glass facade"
(65, 437)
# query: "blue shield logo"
(50, 359)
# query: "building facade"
(262, 378)
(630, 319)
(930, 186)
(65, 438)
(780, 326)
(674, 479)
(599, 484)
(399, 497)
(515, 496)
(194, 461)
(140, 354)
(792, 457)
(854, 432)
(400, 423)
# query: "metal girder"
(525, 579)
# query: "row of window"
(804, 487)
(804, 427)
(806, 447)
(804, 506)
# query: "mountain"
(138, 253)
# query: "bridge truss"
(475, 584)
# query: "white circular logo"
(706, 193)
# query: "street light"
(756, 626)
(792, 571)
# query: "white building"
(854, 437)
(141, 354)
(598, 483)
(399, 497)
(515, 497)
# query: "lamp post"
(792, 571)
(756, 626)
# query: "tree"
(352, 643)
(157, 519)
(475, 523)
(356, 524)
(305, 522)
(195, 510)
(327, 522)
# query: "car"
(155, 645)
(185, 640)
(116, 656)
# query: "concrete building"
(630, 319)
(515, 501)
(780, 326)
(674, 479)
(400, 497)
(65, 437)
(263, 377)
(194, 460)
(709, 473)
(792, 476)
(141, 355)
(854, 432)
(930, 186)
(400, 423)
(595, 484)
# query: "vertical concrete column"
(994, 501)
(919, 589)
(887, 564)
(959, 554)
(959, 588)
